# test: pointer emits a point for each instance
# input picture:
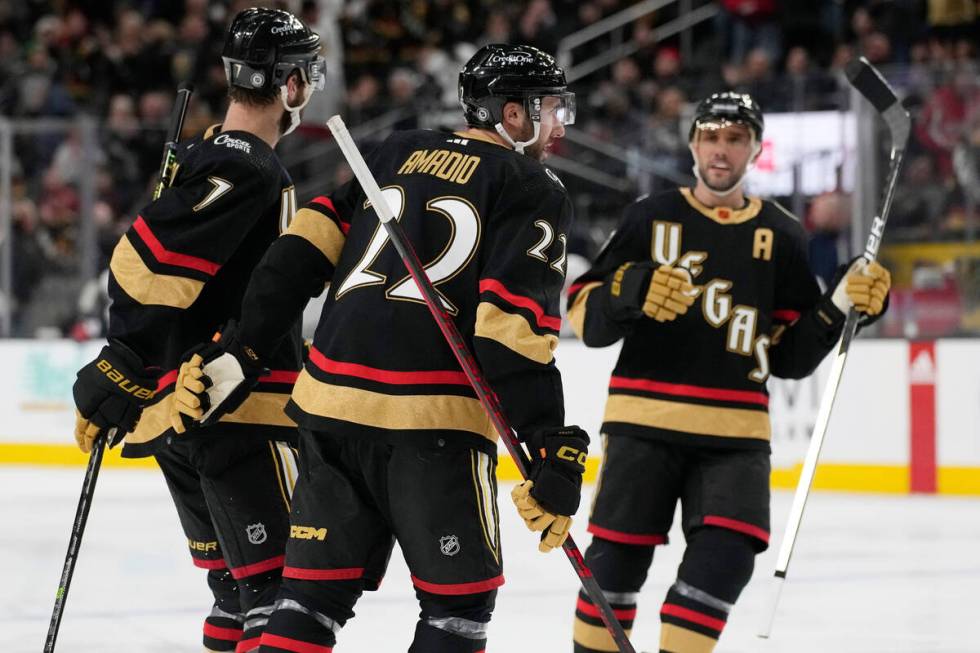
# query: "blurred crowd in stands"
(393, 65)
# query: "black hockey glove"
(214, 379)
(550, 496)
(626, 290)
(110, 392)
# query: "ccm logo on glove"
(570, 454)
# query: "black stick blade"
(868, 81)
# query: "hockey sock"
(223, 627)
(258, 593)
(300, 623)
(453, 623)
(717, 566)
(620, 570)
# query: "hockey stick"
(466, 360)
(867, 81)
(75, 541)
(99, 444)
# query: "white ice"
(888, 574)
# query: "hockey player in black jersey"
(711, 293)
(394, 443)
(176, 276)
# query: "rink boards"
(907, 417)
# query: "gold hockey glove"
(550, 496)
(190, 397)
(110, 392)
(864, 286)
(670, 294)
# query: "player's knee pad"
(223, 626)
(300, 621)
(453, 623)
(717, 566)
(620, 569)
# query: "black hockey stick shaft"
(870, 84)
(75, 541)
(469, 364)
(173, 135)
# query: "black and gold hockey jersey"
(181, 270)
(701, 379)
(490, 226)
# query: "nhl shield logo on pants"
(449, 545)
(256, 533)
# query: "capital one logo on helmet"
(510, 59)
(283, 29)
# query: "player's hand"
(865, 286)
(110, 392)
(213, 380)
(550, 496)
(670, 294)
(640, 288)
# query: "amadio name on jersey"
(233, 143)
(444, 164)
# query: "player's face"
(552, 128)
(723, 153)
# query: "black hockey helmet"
(263, 46)
(500, 73)
(722, 109)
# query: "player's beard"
(726, 185)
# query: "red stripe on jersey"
(280, 376)
(302, 573)
(786, 315)
(259, 567)
(164, 255)
(210, 564)
(574, 288)
(694, 617)
(227, 634)
(627, 538)
(681, 390)
(167, 379)
(295, 645)
(391, 377)
(325, 201)
(497, 288)
(247, 645)
(624, 614)
(736, 525)
(456, 589)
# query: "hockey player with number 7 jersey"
(394, 442)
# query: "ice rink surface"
(882, 574)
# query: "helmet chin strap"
(519, 145)
(294, 117)
(738, 182)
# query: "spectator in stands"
(946, 114)
(743, 25)
(758, 80)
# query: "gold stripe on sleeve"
(146, 286)
(576, 312)
(514, 332)
(322, 232)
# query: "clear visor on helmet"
(564, 108)
(715, 124)
(313, 69)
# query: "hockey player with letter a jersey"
(176, 276)
(394, 442)
(711, 293)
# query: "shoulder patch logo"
(219, 187)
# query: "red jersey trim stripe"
(210, 564)
(736, 525)
(627, 538)
(391, 377)
(623, 614)
(303, 573)
(326, 202)
(694, 617)
(696, 391)
(294, 645)
(456, 589)
(497, 288)
(275, 376)
(164, 255)
(575, 287)
(257, 568)
(167, 379)
(786, 315)
(226, 634)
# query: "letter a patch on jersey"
(221, 186)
